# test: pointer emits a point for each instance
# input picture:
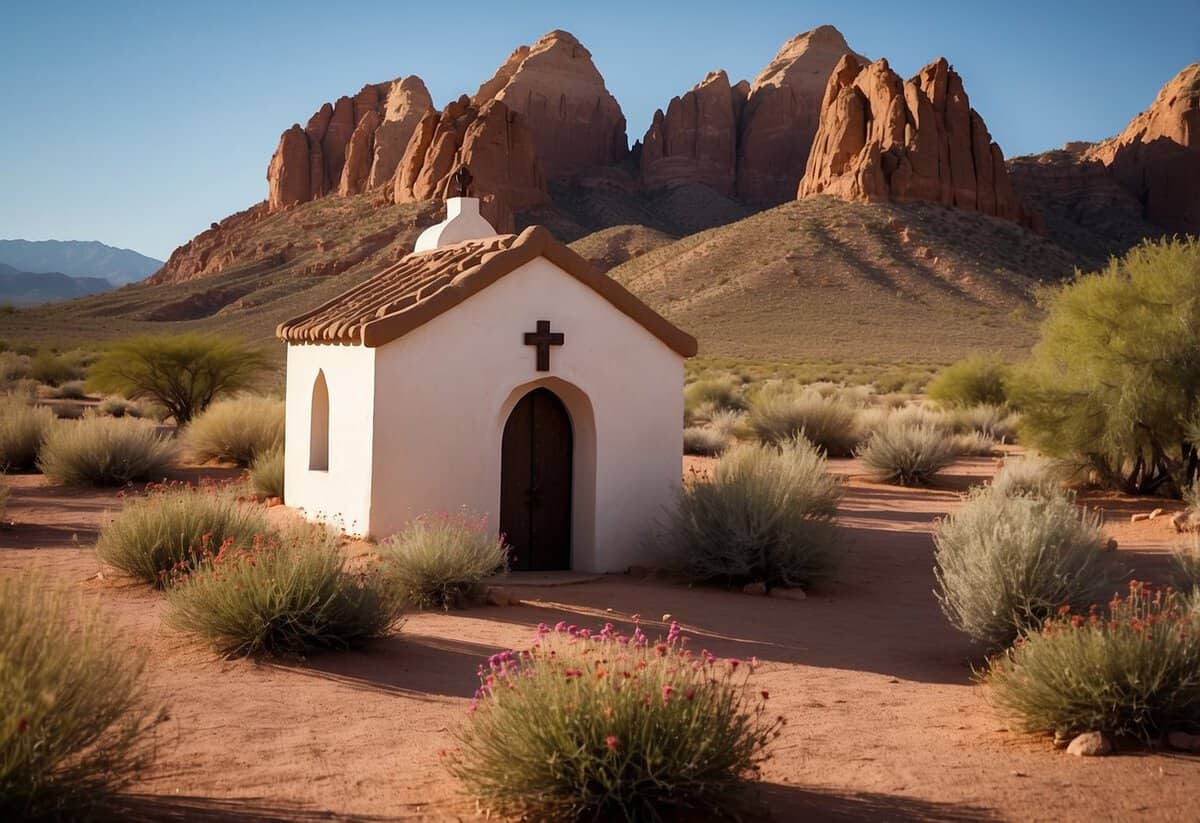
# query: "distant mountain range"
(43, 271)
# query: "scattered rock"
(786, 593)
(1139, 517)
(758, 588)
(1184, 742)
(1090, 744)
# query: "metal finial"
(462, 178)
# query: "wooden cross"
(543, 339)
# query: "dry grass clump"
(704, 441)
(1005, 563)
(779, 416)
(171, 527)
(288, 594)
(1130, 670)
(71, 390)
(105, 451)
(974, 444)
(602, 726)
(116, 406)
(766, 515)
(1186, 561)
(1029, 475)
(440, 561)
(236, 430)
(997, 422)
(13, 367)
(708, 396)
(907, 454)
(74, 715)
(266, 473)
(23, 431)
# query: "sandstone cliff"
(884, 139)
(1157, 157)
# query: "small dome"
(463, 222)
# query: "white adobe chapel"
(500, 373)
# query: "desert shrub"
(907, 454)
(440, 561)
(974, 444)
(604, 727)
(1028, 475)
(51, 369)
(236, 430)
(116, 406)
(23, 431)
(1130, 671)
(728, 423)
(702, 398)
(182, 372)
(1114, 377)
(918, 415)
(74, 716)
(971, 381)
(170, 527)
(1005, 563)
(266, 473)
(776, 417)
(996, 422)
(105, 451)
(1186, 561)
(767, 514)
(704, 441)
(23, 390)
(71, 390)
(288, 594)
(13, 367)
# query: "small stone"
(758, 588)
(789, 593)
(497, 596)
(666, 618)
(1090, 744)
(1184, 742)
(1139, 517)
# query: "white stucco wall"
(443, 393)
(340, 495)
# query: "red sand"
(883, 718)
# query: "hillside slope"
(822, 279)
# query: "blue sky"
(139, 123)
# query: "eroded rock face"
(1157, 157)
(351, 145)
(695, 141)
(881, 138)
(495, 142)
(575, 122)
(782, 113)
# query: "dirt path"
(883, 719)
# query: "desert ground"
(883, 717)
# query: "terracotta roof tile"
(421, 286)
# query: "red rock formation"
(576, 123)
(407, 102)
(359, 154)
(287, 174)
(696, 140)
(1157, 157)
(882, 138)
(495, 142)
(782, 113)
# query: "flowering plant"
(607, 725)
(1133, 669)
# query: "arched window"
(318, 437)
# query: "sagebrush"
(266, 473)
(704, 441)
(106, 451)
(23, 431)
(236, 430)
(830, 424)
(910, 455)
(440, 561)
(606, 727)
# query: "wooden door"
(535, 483)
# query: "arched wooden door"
(535, 483)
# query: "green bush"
(440, 561)
(1129, 672)
(906, 454)
(779, 416)
(266, 473)
(182, 372)
(602, 727)
(47, 367)
(23, 431)
(105, 451)
(767, 515)
(170, 527)
(704, 441)
(282, 595)
(1028, 475)
(74, 715)
(1114, 378)
(1005, 563)
(236, 430)
(972, 381)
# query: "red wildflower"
(612, 742)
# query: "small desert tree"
(184, 373)
(1115, 378)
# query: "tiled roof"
(421, 286)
